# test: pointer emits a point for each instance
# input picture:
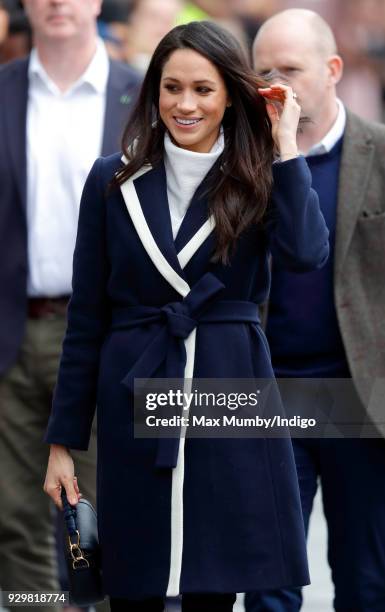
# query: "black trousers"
(190, 603)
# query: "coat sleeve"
(74, 398)
(296, 229)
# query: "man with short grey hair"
(330, 323)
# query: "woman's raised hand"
(60, 473)
(284, 114)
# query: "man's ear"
(336, 69)
(98, 7)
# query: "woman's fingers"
(272, 113)
(60, 473)
(54, 491)
(77, 488)
(72, 492)
(268, 92)
(284, 114)
(279, 92)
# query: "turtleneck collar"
(185, 170)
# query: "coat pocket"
(370, 232)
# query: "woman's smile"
(184, 123)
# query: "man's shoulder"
(10, 70)
(123, 75)
(365, 131)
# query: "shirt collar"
(95, 75)
(334, 134)
(180, 153)
(186, 169)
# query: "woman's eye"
(203, 90)
(171, 87)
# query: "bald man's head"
(298, 48)
(303, 23)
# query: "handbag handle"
(78, 559)
(69, 514)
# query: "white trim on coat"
(139, 220)
(195, 242)
(173, 586)
(135, 211)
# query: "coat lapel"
(196, 215)
(145, 196)
(122, 89)
(146, 202)
(16, 125)
(152, 193)
(196, 225)
(357, 158)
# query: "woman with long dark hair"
(171, 262)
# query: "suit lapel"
(121, 92)
(16, 125)
(357, 158)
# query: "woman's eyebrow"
(205, 81)
(170, 78)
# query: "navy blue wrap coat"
(196, 515)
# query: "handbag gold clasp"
(78, 559)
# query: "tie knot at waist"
(167, 347)
(179, 322)
(182, 317)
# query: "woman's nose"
(187, 102)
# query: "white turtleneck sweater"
(185, 170)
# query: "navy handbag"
(82, 552)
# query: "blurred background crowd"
(132, 29)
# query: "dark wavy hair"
(239, 184)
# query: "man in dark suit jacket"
(330, 324)
(59, 109)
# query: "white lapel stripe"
(160, 262)
(195, 242)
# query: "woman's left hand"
(284, 113)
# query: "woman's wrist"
(287, 149)
(285, 156)
(59, 448)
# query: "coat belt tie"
(178, 320)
